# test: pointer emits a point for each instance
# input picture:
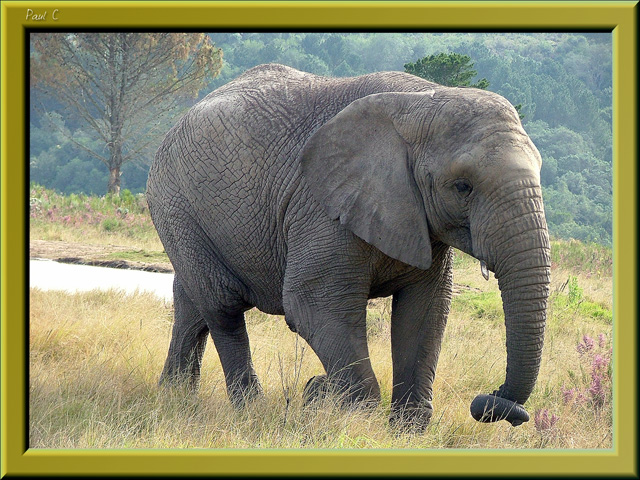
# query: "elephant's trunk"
(522, 266)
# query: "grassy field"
(95, 359)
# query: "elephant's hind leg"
(188, 342)
(207, 299)
(220, 312)
(229, 333)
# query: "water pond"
(51, 275)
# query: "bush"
(111, 224)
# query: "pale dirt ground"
(90, 254)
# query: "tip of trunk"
(489, 408)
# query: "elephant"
(306, 196)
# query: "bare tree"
(126, 87)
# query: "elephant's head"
(401, 170)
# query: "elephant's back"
(247, 135)
(243, 139)
(242, 135)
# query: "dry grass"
(95, 359)
(95, 235)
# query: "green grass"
(575, 301)
(482, 305)
(141, 256)
(95, 359)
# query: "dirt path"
(90, 254)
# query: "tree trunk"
(114, 110)
(114, 181)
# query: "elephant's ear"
(360, 169)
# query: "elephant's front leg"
(418, 319)
(332, 319)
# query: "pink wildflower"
(586, 345)
(600, 365)
(602, 340)
(597, 391)
(568, 395)
(543, 421)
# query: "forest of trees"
(563, 82)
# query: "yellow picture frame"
(19, 18)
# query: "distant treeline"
(562, 80)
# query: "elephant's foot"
(361, 396)
(490, 408)
(244, 390)
(411, 418)
(187, 382)
(315, 389)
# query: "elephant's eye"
(463, 186)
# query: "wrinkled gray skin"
(305, 196)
